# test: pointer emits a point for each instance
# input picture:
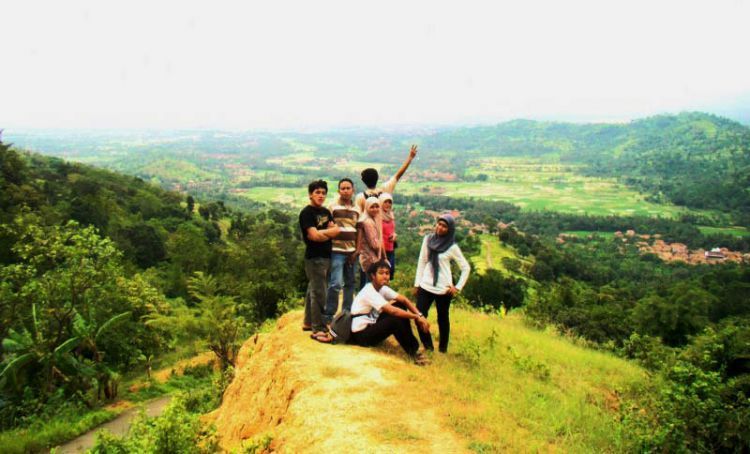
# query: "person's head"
(317, 191)
(379, 273)
(370, 178)
(445, 225)
(372, 207)
(346, 189)
(386, 202)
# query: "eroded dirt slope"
(310, 397)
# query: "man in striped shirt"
(345, 215)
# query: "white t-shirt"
(389, 187)
(370, 301)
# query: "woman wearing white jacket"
(434, 281)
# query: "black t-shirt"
(319, 218)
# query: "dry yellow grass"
(313, 397)
(518, 390)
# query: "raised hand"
(413, 152)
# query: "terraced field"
(531, 184)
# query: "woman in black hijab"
(434, 281)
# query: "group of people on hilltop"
(359, 231)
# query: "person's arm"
(421, 322)
(359, 202)
(458, 256)
(407, 162)
(409, 305)
(321, 236)
(357, 245)
(371, 236)
(421, 262)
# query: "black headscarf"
(436, 245)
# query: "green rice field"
(530, 184)
(587, 233)
(736, 231)
(578, 195)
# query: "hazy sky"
(299, 64)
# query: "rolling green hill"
(693, 159)
(696, 160)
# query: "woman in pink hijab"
(389, 230)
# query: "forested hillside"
(101, 274)
(697, 160)
(693, 159)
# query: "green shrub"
(176, 431)
(257, 445)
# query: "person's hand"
(452, 290)
(334, 231)
(330, 224)
(415, 291)
(413, 152)
(351, 258)
(393, 237)
(423, 324)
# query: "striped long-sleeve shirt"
(345, 216)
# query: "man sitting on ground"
(386, 313)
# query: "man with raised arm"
(318, 229)
(370, 179)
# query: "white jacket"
(425, 274)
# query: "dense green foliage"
(178, 429)
(101, 273)
(698, 160)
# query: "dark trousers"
(391, 256)
(384, 327)
(316, 270)
(363, 280)
(443, 304)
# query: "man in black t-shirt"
(318, 228)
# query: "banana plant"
(90, 335)
(32, 348)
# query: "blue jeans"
(342, 277)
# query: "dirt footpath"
(118, 426)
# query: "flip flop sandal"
(422, 360)
(322, 337)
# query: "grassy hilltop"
(504, 387)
